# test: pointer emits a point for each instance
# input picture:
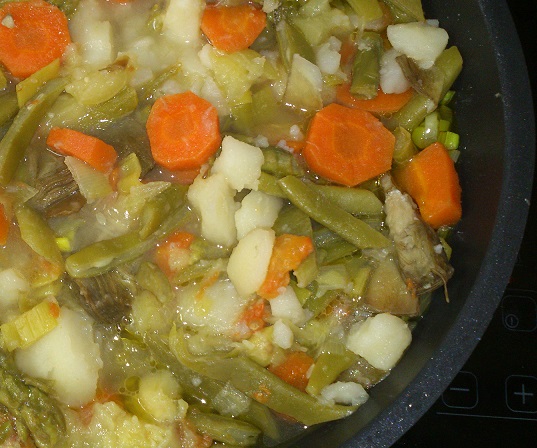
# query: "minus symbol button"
(462, 393)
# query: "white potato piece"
(13, 286)
(240, 163)
(216, 307)
(248, 263)
(93, 36)
(392, 78)
(258, 209)
(112, 426)
(212, 199)
(328, 57)
(67, 356)
(348, 393)
(419, 41)
(380, 340)
(182, 20)
(158, 393)
(282, 335)
(287, 306)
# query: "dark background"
(492, 402)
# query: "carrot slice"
(4, 226)
(183, 131)
(232, 28)
(89, 149)
(431, 179)
(287, 254)
(294, 369)
(32, 35)
(383, 103)
(348, 146)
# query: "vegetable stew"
(219, 221)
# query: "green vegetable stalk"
(21, 131)
(36, 415)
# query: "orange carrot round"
(383, 103)
(32, 34)
(183, 131)
(348, 146)
(294, 369)
(232, 28)
(89, 149)
(431, 180)
(287, 254)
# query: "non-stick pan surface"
(496, 123)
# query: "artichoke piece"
(428, 82)
(35, 415)
(420, 254)
(106, 297)
(57, 194)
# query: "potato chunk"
(212, 199)
(248, 263)
(240, 163)
(68, 356)
(380, 340)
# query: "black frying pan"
(497, 128)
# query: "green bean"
(37, 234)
(404, 146)
(223, 429)
(327, 368)
(8, 106)
(102, 256)
(350, 228)
(269, 184)
(316, 304)
(198, 271)
(366, 66)
(28, 87)
(205, 390)
(202, 249)
(450, 64)
(280, 163)
(427, 132)
(411, 114)
(21, 131)
(357, 201)
(293, 220)
(258, 383)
